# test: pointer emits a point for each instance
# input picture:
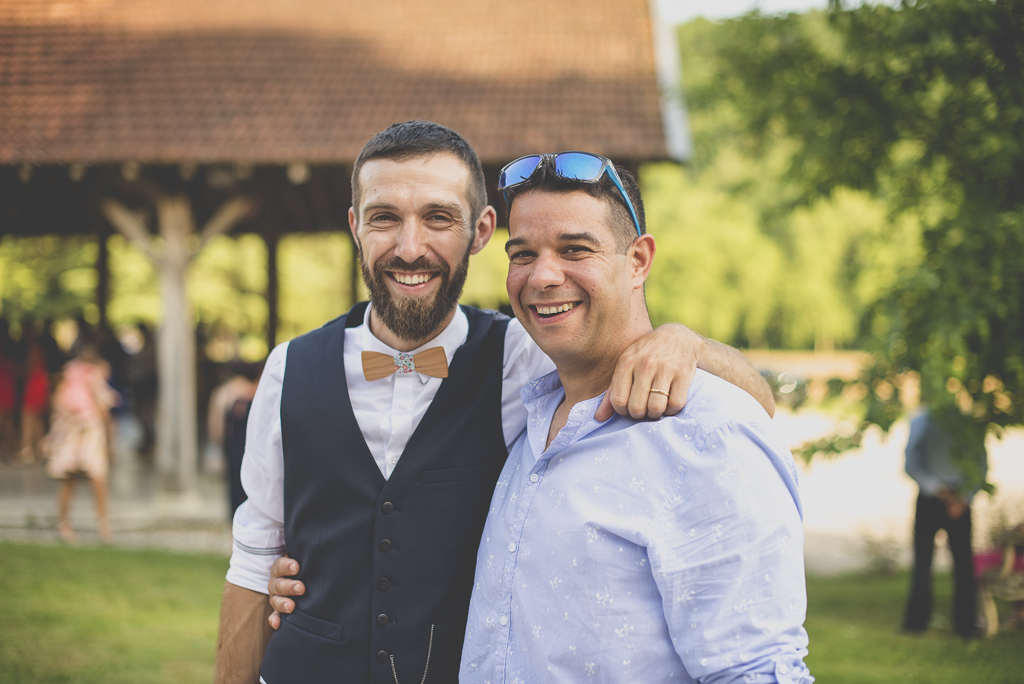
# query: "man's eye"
(576, 249)
(520, 256)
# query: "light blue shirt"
(631, 551)
(931, 460)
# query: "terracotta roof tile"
(270, 81)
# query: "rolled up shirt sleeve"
(258, 527)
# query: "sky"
(681, 11)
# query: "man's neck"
(581, 380)
(385, 335)
(585, 378)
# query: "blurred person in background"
(78, 436)
(143, 381)
(55, 356)
(117, 359)
(35, 399)
(944, 455)
(8, 377)
(226, 420)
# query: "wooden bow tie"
(430, 362)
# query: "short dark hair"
(417, 138)
(621, 223)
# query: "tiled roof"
(276, 81)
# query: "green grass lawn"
(107, 615)
(99, 615)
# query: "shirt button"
(387, 507)
(384, 545)
(511, 548)
(503, 620)
(382, 656)
(394, 460)
(383, 584)
(534, 477)
(382, 619)
(403, 407)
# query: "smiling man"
(626, 551)
(374, 443)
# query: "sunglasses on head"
(578, 166)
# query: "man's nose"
(411, 243)
(546, 272)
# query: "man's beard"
(414, 318)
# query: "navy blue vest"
(383, 560)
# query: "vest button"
(382, 619)
(387, 508)
(382, 656)
(385, 545)
(383, 584)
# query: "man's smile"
(548, 311)
(411, 278)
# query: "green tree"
(923, 105)
(758, 254)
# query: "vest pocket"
(308, 650)
(321, 628)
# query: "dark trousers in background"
(930, 517)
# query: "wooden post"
(176, 440)
(102, 276)
(272, 290)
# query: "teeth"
(547, 310)
(411, 279)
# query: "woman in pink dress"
(78, 436)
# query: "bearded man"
(374, 442)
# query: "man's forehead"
(557, 215)
(440, 173)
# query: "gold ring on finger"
(658, 391)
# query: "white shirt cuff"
(253, 552)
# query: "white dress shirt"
(387, 412)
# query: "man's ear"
(352, 223)
(641, 257)
(485, 226)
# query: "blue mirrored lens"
(578, 166)
(518, 171)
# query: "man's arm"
(666, 359)
(258, 533)
(727, 556)
(243, 635)
(918, 463)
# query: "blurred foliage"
(485, 284)
(749, 252)
(314, 281)
(47, 278)
(922, 107)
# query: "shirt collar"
(541, 398)
(450, 339)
